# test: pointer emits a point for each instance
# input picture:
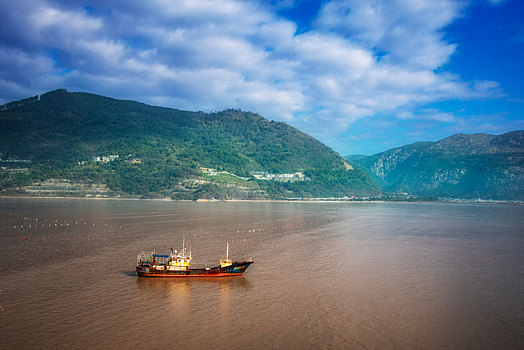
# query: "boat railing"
(144, 258)
(160, 260)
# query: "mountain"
(460, 166)
(85, 144)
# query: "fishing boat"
(177, 264)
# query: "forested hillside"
(125, 148)
(460, 166)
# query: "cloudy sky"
(362, 76)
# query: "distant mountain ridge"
(85, 142)
(460, 166)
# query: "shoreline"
(311, 200)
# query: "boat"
(177, 264)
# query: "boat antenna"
(227, 251)
(184, 245)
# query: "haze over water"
(326, 275)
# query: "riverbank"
(286, 200)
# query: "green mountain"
(86, 144)
(460, 166)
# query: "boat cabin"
(226, 262)
(179, 262)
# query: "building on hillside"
(262, 175)
(105, 159)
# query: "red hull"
(235, 269)
(186, 276)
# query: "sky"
(362, 76)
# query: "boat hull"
(235, 269)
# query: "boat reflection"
(179, 291)
(160, 285)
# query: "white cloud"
(362, 58)
(427, 114)
(332, 55)
(407, 31)
(47, 17)
(26, 74)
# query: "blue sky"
(362, 76)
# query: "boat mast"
(184, 246)
(227, 251)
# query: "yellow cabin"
(226, 261)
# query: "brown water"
(326, 276)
